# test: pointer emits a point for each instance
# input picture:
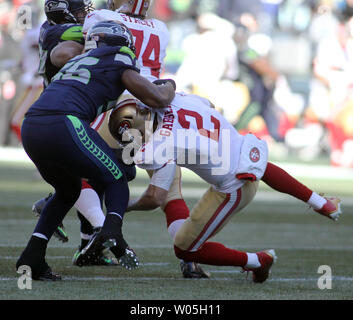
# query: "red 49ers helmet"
(130, 114)
(137, 8)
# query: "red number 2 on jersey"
(153, 46)
(199, 123)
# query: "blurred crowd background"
(282, 69)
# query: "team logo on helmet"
(51, 6)
(124, 125)
(254, 154)
(109, 33)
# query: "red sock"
(214, 253)
(176, 210)
(85, 185)
(281, 181)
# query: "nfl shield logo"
(254, 154)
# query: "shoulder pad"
(126, 56)
(73, 33)
(128, 51)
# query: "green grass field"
(303, 241)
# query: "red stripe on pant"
(219, 209)
(229, 212)
(215, 253)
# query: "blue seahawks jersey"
(87, 85)
(50, 36)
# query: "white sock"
(40, 235)
(253, 261)
(316, 201)
(174, 227)
(89, 205)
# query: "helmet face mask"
(109, 33)
(130, 122)
(67, 11)
(136, 8)
(115, 4)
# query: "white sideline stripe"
(147, 264)
(261, 196)
(66, 278)
(12, 154)
(161, 246)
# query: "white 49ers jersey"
(193, 135)
(151, 39)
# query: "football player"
(151, 40)
(57, 136)
(61, 34)
(60, 40)
(191, 134)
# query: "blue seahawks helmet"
(67, 11)
(109, 33)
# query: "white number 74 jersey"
(151, 39)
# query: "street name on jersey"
(148, 23)
(168, 120)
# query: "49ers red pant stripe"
(221, 214)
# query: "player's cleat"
(101, 260)
(129, 260)
(49, 275)
(193, 270)
(41, 272)
(37, 209)
(266, 258)
(331, 209)
(61, 234)
(90, 252)
(38, 206)
(126, 256)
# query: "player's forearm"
(155, 96)
(151, 199)
(143, 203)
(64, 52)
(160, 96)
